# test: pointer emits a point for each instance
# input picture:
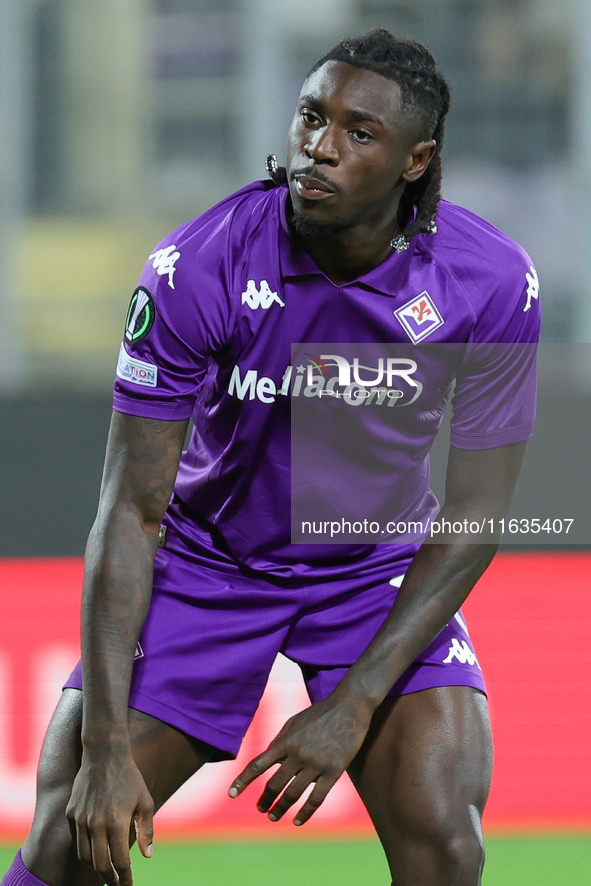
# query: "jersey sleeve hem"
(152, 409)
(496, 438)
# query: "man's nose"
(322, 147)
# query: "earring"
(399, 243)
(271, 165)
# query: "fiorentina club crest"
(419, 317)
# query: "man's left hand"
(314, 747)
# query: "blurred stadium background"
(120, 120)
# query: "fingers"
(110, 858)
(106, 849)
(117, 858)
(293, 793)
(308, 754)
(255, 768)
(144, 829)
(290, 796)
(315, 799)
(284, 789)
(276, 785)
(84, 843)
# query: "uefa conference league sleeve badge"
(140, 316)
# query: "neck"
(348, 253)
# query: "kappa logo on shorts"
(419, 317)
(263, 297)
(462, 652)
(140, 316)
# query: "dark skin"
(140, 468)
(123, 764)
(163, 759)
(318, 744)
(352, 139)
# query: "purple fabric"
(18, 875)
(233, 291)
(222, 329)
(213, 633)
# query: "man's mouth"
(311, 187)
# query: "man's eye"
(360, 135)
(309, 117)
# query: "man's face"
(350, 148)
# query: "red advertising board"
(530, 618)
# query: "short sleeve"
(177, 319)
(494, 402)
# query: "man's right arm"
(109, 793)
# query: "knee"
(48, 850)
(458, 845)
(461, 855)
(449, 850)
(58, 765)
(57, 770)
(49, 827)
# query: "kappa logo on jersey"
(461, 652)
(533, 286)
(419, 317)
(163, 261)
(136, 371)
(263, 297)
(139, 652)
(140, 316)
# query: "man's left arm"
(318, 744)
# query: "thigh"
(206, 649)
(340, 619)
(165, 756)
(424, 774)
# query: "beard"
(304, 226)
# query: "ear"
(418, 160)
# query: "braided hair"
(424, 92)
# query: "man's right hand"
(109, 797)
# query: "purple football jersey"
(219, 330)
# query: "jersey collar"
(296, 262)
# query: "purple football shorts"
(213, 632)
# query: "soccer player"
(193, 583)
